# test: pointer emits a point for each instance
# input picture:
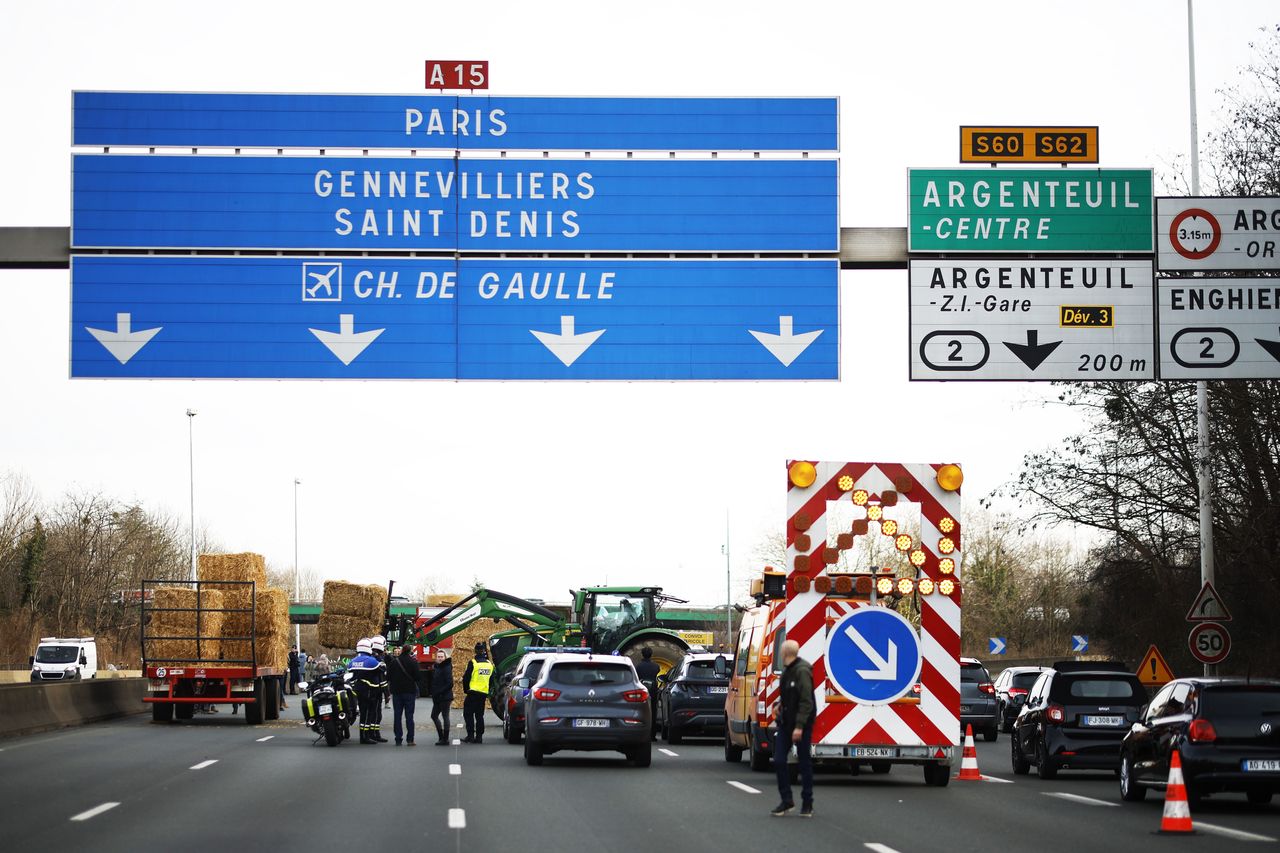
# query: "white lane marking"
(878, 847)
(264, 739)
(742, 787)
(668, 752)
(457, 742)
(997, 779)
(1076, 798)
(203, 764)
(95, 811)
(455, 769)
(1237, 834)
(457, 819)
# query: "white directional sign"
(1219, 328)
(1066, 319)
(1218, 233)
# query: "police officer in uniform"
(365, 672)
(379, 644)
(647, 671)
(475, 680)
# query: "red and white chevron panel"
(935, 719)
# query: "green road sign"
(1030, 210)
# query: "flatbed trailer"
(176, 686)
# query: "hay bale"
(342, 632)
(443, 600)
(269, 628)
(366, 601)
(464, 643)
(180, 625)
(233, 567)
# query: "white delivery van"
(64, 659)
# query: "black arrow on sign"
(1032, 353)
(1272, 347)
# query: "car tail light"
(636, 695)
(551, 720)
(987, 688)
(1056, 713)
(633, 722)
(546, 694)
(1201, 731)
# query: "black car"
(693, 697)
(529, 668)
(1226, 730)
(1075, 718)
(978, 706)
(1012, 686)
(587, 703)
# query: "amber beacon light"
(950, 477)
(802, 474)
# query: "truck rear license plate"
(1262, 765)
(872, 752)
(1103, 721)
(590, 724)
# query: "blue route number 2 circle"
(873, 656)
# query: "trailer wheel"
(253, 710)
(936, 775)
(185, 710)
(271, 695)
(161, 712)
(881, 766)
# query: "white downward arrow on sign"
(567, 346)
(886, 669)
(123, 343)
(347, 343)
(785, 346)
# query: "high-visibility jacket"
(481, 671)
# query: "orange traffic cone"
(969, 759)
(1177, 814)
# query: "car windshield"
(1238, 702)
(56, 654)
(589, 673)
(1119, 689)
(973, 674)
(1024, 680)
(705, 669)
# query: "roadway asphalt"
(216, 783)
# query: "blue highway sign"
(442, 318)
(873, 656)
(428, 204)
(996, 645)
(455, 122)
(1079, 643)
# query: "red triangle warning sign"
(1154, 670)
(1208, 606)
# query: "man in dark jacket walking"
(647, 673)
(795, 726)
(441, 695)
(402, 675)
(475, 681)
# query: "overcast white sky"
(537, 487)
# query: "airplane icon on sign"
(317, 277)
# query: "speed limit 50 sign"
(1210, 643)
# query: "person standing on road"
(323, 667)
(441, 695)
(294, 676)
(476, 682)
(647, 672)
(402, 675)
(379, 644)
(795, 726)
(303, 662)
(366, 671)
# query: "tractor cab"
(611, 615)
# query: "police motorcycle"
(330, 706)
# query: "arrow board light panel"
(1073, 319)
(1220, 328)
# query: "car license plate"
(324, 709)
(1262, 765)
(590, 724)
(872, 752)
(1089, 720)
(718, 690)
(964, 709)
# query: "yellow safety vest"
(480, 672)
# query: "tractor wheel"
(667, 652)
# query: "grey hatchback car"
(978, 705)
(592, 703)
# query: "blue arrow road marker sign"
(1079, 643)
(873, 656)
(996, 645)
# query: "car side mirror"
(1142, 712)
(522, 683)
(31, 660)
(84, 661)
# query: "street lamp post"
(191, 477)
(297, 577)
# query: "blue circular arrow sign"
(873, 656)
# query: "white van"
(64, 659)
